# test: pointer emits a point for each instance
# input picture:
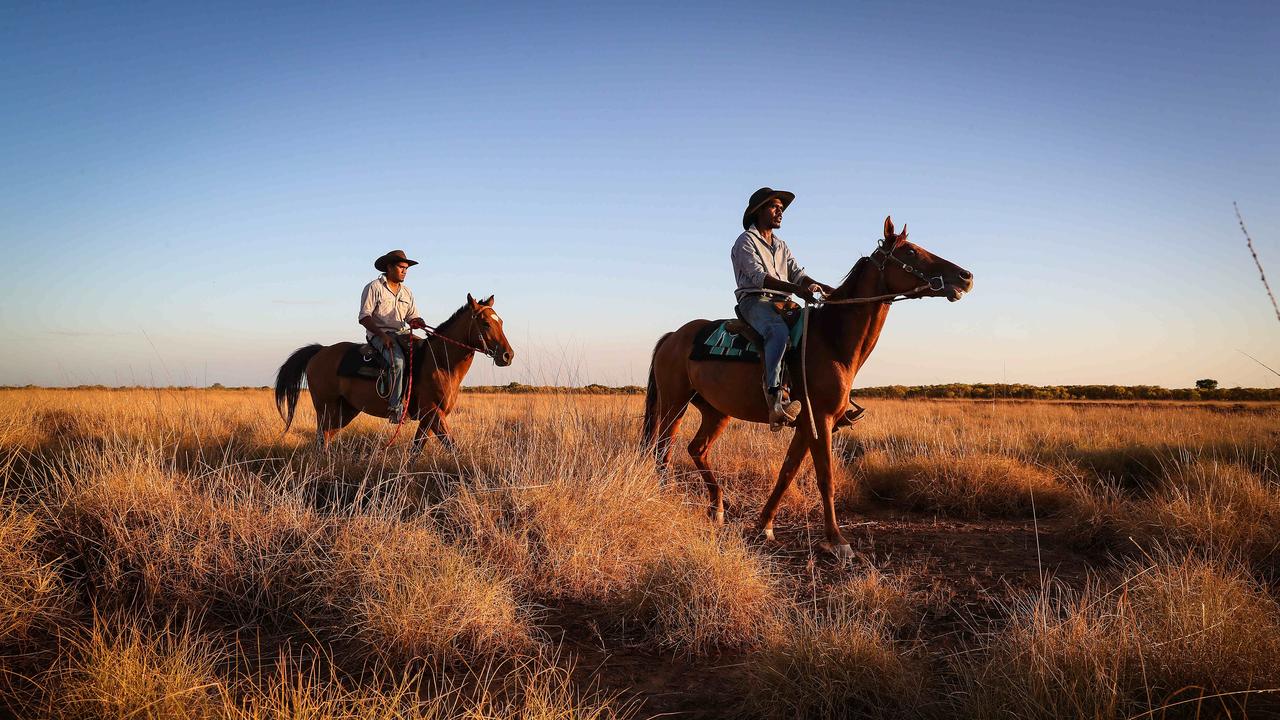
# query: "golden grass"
(1173, 639)
(31, 590)
(835, 663)
(144, 506)
(1213, 507)
(963, 484)
(124, 668)
(413, 596)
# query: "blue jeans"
(761, 314)
(395, 383)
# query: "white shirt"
(389, 310)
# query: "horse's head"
(486, 331)
(908, 269)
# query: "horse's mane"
(453, 318)
(850, 280)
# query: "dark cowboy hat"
(394, 256)
(762, 196)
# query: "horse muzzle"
(962, 284)
(503, 358)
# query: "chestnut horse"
(475, 327)
(842, 332)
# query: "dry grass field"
(170, 554)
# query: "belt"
(766, 294)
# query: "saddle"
(366, 361)
(736, 340)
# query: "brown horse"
(475, 327)
(842, 333)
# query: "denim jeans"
(760, 313)
(395, 383)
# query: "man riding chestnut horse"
(842, 330)
(339, 378)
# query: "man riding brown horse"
(387, 307)
(767, 275)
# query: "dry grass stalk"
(1170, 632)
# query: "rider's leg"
(763, 316)
(395, 383)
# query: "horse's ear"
(487, 303)
(888, 227)
(903, 234)
(470, 300)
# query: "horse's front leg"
(420, 435)
(440, 429)
(824, 468)
(796, 453)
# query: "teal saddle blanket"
(714, 342)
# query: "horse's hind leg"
(332, 416)
(796, 453)
(713, 423)
(669, 416)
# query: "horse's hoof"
(768, 534)
(842, 552)
(718, 516)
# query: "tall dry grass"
(134, 517)
(1179, 638)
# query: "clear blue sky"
(187, 195)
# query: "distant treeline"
(996, 391)
(516, 388)
(975, 391)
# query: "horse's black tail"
(651, 399)
(289, 381)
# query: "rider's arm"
(806, 281)
(773, 283)
(372, 326)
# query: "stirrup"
(782, 409)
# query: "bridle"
(936, 283)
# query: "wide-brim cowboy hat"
(759, 198)
(394, 256)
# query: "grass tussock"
(1175, 639)
(32, 594)
(1219, 509)
(414, 596)
(713, 594)
(521, 692)
(141, 526)
(836, 663)
(879, 597)
(598, 530)
(128, 669)
(962, 484)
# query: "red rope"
(408, 393)
(432, 331)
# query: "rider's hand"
(816, 290)
(417, 323)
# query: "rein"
(886, 298)
(484, 346)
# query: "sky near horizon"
(189, 193)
